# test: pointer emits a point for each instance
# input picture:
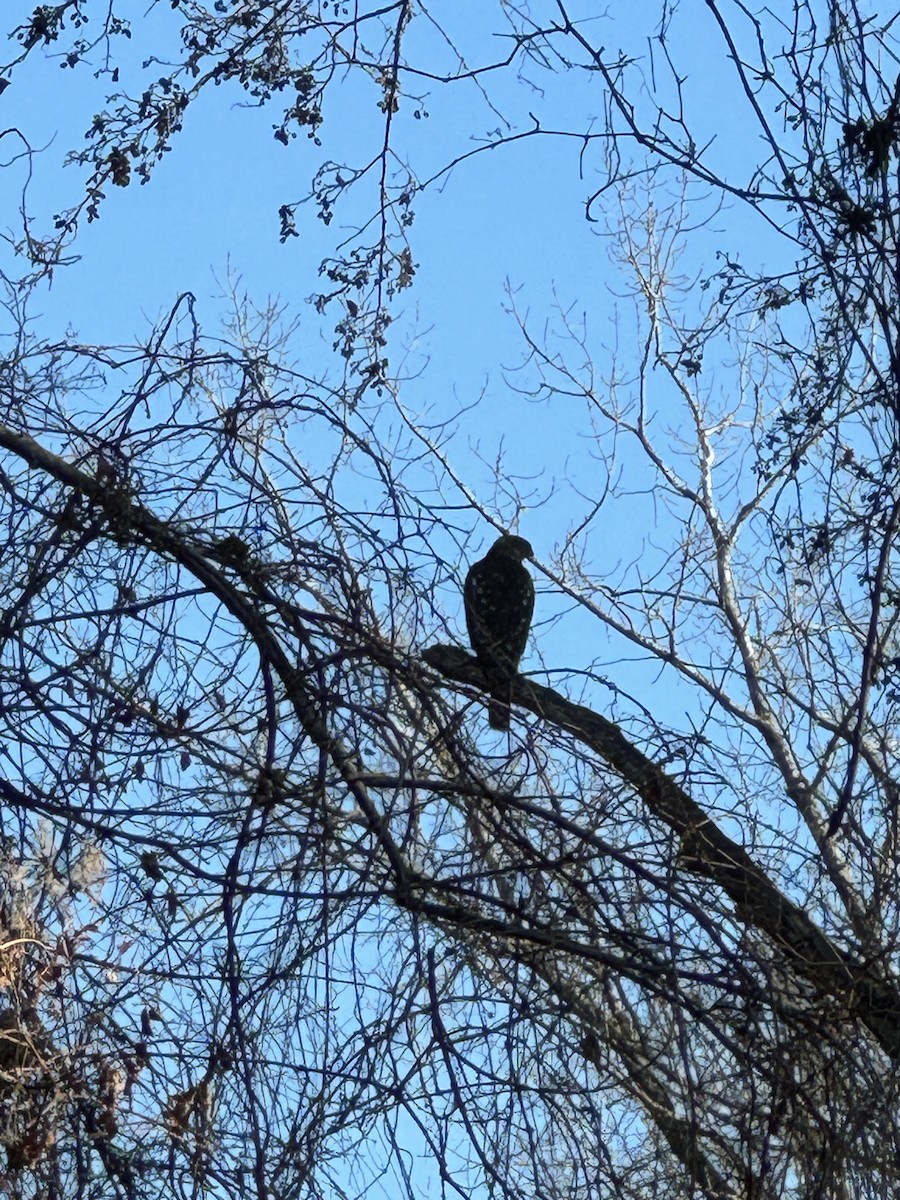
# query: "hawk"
(499, 598)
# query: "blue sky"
(505, 227)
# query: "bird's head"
(510, 546)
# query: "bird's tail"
(498, 713)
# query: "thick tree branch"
(711, 852)
(134, 522)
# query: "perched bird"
(499, 598)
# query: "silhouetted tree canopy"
(280, 915)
